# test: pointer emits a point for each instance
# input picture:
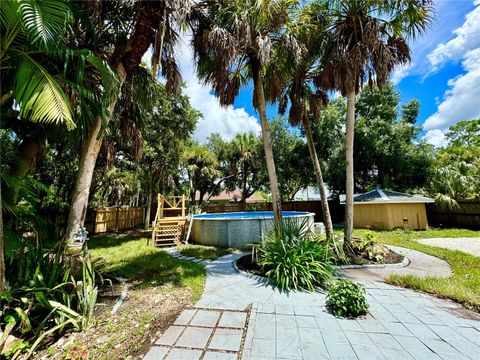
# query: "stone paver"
(205, 318)
(194, 337)
(467, 245)
(184, 354)
(211, 355)
(171, 335)
(401, 324)
(233, 319)
(226, 339)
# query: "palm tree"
(305, 102)
(233, 46)
(245, 156)
(125, 58)
(366, 40)
(454, 182)
(202, 170)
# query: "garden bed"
(159, 288)
(246, 264)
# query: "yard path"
(467, 245)
(401, 324)
(421, 265)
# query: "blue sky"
(444, 75)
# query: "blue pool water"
(249, 215)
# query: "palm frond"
(44, 21)
(38, 95)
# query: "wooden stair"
(169, 225)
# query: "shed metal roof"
(380, 196)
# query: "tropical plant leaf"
(44, 21)
(39, 95)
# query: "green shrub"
(347, 299)
(293, 258)
(368, 248)
(43, 298)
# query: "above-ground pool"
(238, 229)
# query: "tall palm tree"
(125, 58)
(234, 46)
(367, 39)
(305, 102)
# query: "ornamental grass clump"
(293, 258)
(347, 298)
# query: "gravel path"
(468, 245)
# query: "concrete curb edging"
(251, 276)
(405, 262)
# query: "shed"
(385, 209)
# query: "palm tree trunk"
(2, 247)
(350, 131)
(318, 174)
(244, 189)
(29, 151)
(149, 206)
(267, 142)
(88, 157)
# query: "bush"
(43, 298)
(347, 299)
(368, 248)
(293, 258)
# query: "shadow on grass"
(111, 240)
(204, 252)
(143, 265)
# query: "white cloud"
(436, 138)
(401, 72)
(461, 100)
(227, 121)
(447, 17)
(466, 38)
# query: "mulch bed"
(245, 263)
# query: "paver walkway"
(468, 245)
(421, 265)
(401, 324)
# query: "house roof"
(235, 195)
(380, 196)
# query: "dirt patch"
(387, 256)
(143, 317)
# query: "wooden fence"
(98, 220)
(117, 218)
(466, 215)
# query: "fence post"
(116, 218)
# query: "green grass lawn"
(146, 266)
(463, 286)
(203, 252)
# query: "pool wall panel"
(237, 232)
